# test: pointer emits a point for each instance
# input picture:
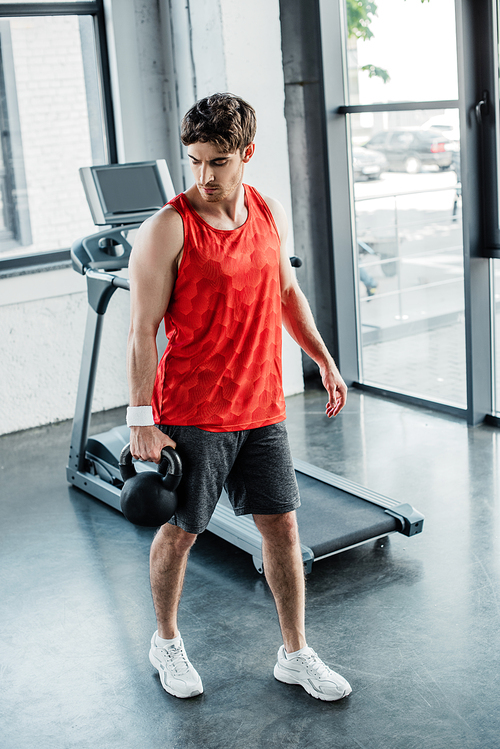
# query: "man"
(213, 264)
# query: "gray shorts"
(254, 467)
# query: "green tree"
(360, 14)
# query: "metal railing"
(398, 259)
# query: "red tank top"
(221, 370)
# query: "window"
(426, 328)
(406, 202)
(14, 216)
(54, 119)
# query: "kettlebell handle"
(170, 463)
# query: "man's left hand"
(337, 391)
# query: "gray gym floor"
(412, 623)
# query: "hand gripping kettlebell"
(148, 498)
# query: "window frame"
(475, 65)
(25, 263)
(485, 112)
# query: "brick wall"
(54, 127)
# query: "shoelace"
(177, 658)
(315, 665)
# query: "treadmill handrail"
(100, 288)
(87, 252)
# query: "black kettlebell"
(148, 498)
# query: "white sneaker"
(177, 675)
(310, 672)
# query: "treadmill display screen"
(123, 194)
(129, 189)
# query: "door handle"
(482, 107)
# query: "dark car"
(409, 150)
(367, 164)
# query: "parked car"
(367, 164)
(410, 149)
(447, 124)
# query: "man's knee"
(278, 528)
(177, 539)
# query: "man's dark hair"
(222, 119)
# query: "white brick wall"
(54, 128)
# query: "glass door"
(404, 138)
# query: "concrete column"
(307, 147)
(137, 70)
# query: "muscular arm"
(152, 271)
(299, 322)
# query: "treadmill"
(336, 514)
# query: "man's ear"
(248, 153)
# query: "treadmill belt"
(331, 519)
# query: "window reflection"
(409, 253)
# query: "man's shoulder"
(160, 237)
(167, 219)
(272, 203)
(276, 209)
